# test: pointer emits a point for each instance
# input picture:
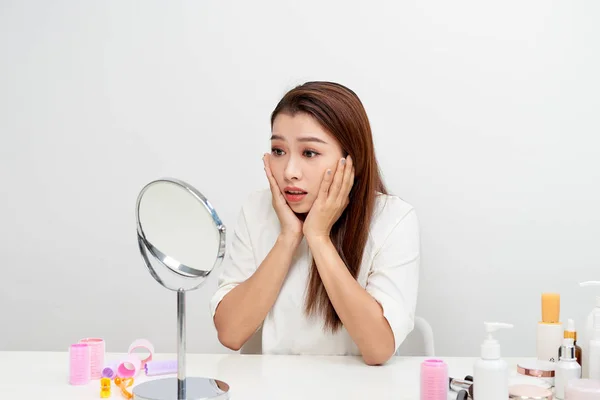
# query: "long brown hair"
(341, 113)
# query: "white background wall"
(485, 116)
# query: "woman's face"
(301, 152)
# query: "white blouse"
(389, 272)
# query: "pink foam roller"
(142, 344)
(129, 367)
(79, 364)
(434, 380)
(97, 350)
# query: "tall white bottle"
(490, 371)
(567, 368)
(594, 348)
(587, 333)
(550, 330)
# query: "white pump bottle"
(491, 371)
(594, 348)
(588, 333)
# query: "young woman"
(324, 261)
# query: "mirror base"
(196, 389)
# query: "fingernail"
(343, 161)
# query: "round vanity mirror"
(179, 234)
(181, 240)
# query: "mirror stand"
(182, 387)
(170, 213)
(181, 346)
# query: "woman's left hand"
(331, 201)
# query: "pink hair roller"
(79, 364)
(144, 345)
(96, 356)
(434, 380)
(128, 367)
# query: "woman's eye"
(310, 153)
(277, 152)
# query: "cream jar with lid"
(539, 369)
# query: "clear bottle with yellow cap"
(549, 329)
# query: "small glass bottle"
(571, 333)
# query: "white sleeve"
(394, 277)
(238, 264)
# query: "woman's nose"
(292, 170)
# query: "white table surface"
(44, 375)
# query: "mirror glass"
(179, 233)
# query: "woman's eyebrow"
(300, 139)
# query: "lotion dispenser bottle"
(491, 371)
(587, 333)
(593, 350)
(550, 330)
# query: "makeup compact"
(529, 392)
(517, 379)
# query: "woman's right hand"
(291, 226)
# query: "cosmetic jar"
(539, 369)
(529, 392)
(583, 389)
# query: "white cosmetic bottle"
(549, 330)
(491, 371)
(594, 348)
(588, 333)
(567, 368)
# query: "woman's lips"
(294, 194)
(294, 197)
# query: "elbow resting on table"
(230, 341)
(228, 335)
(377, 357)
